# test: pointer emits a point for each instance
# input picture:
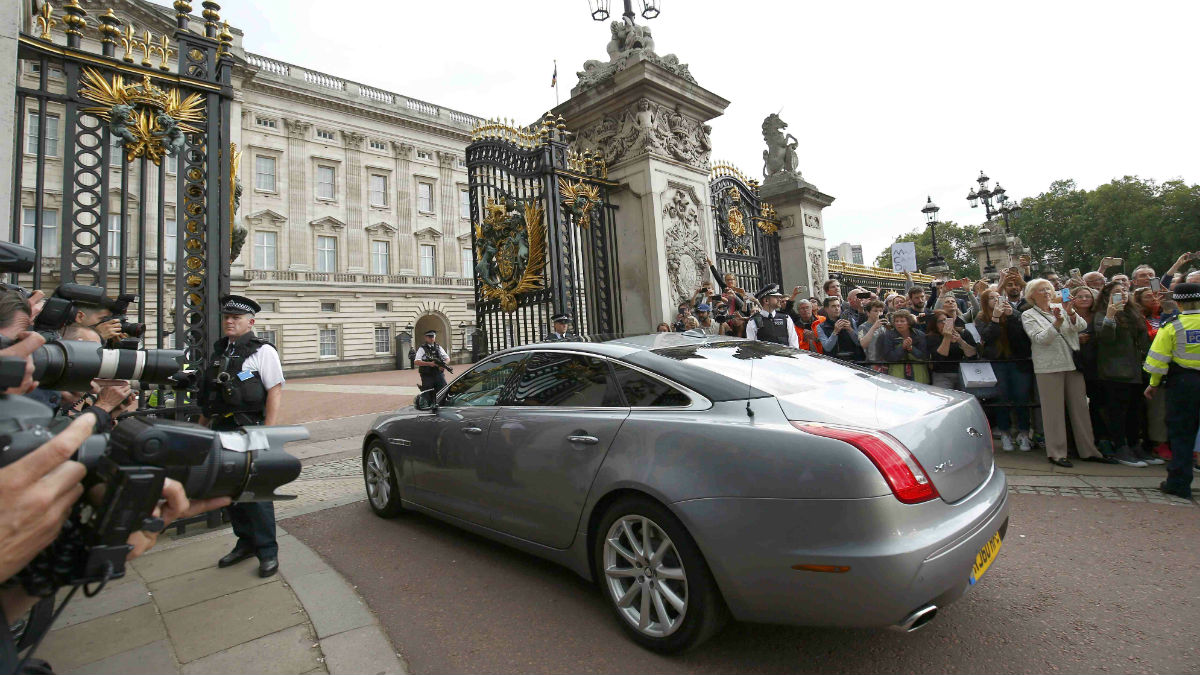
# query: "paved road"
(1080, 586)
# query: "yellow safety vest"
(1177, 342)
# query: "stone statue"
(780, 155)
(629, 42)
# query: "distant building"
(845, 252)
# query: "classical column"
(10, 29)
(448, 212)
(298, 242)
(355, 236)
(647, 116)
(404, 206)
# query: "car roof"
(651, 353)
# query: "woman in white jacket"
(1054, 331)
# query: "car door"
(449, 442)
(547, 442)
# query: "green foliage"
(1139, 220)
(954, 243)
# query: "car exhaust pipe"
(917, 620)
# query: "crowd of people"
(1066, 356)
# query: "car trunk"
(945, 430)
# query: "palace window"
(383, 340)
(421, 154)
(468, 263)
(269, 334)
(329, 342)
(329, 306)
(267, 305)
(428, 260)
(380, 257)
(377, 190)
(326, 254)
(170, 249)
(326, 135)
(49, 230)
(464, 204)
(326, 182)
(265, 246)
(266, 122)
(425, 197)
(378, 145)
(31, 134)
(382, 307)
(172, 164)
(114, 235)
(264, 173)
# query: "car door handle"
(586, 440)
(474, 431)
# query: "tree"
(954, 243)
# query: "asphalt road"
(1079, 586)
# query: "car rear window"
(770, 368)
(644, 391)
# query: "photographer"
(99, 319)
(111, 397)
(244, 387)
(871, 332)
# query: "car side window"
(484, 384)
(565, 380)
(643, 391)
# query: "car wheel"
(654, 577)
(383, 485)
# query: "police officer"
(243, 387)
(429, 360)
(770, 324)
(562, 323)
(1175, 354)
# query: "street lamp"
(600, 9)
(937, 262)
(984, 194)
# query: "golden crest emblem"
(510, 251)
(737, 222)
(149, 121)
(580, 199)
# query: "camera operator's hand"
(112, 396)
(108, 330)
(36, 494)
(27, 343)
(175, 505)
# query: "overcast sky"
(890, 101)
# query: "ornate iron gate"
(543, 236)
(96, 126)
(747, 237)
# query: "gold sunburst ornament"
(150, 122)
(737, 223)
(580, 199)
(510, 247)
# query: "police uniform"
(431, 376)
(774, 326)
(554, 335)
(234, 395)
(1175, 355)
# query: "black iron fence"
(747, 229)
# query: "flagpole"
(555, 83)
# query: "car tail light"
(903, 473)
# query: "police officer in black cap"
(243, 386)
(771, 324)
(431, 362)
(562, 322)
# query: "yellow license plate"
(983, 559)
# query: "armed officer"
(1175, 354)
(771, 324)
(431, 362)
(243, 386)
(562, 323)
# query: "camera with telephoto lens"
(71, 365)
(19, 259)
(60, 308)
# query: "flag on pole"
(554, 78)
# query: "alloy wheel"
(379, 478)
(644, 575)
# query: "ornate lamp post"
(600, 9)
(937, 263)
(1002, 207)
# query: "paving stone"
(184, 559)
(332, 605)
(95, 640)
(212, 582)
(117, 596)
(296, 559)
(211, 626)
(289, 651)
(150, 659)
(1056, 480)
(362, 650)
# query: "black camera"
(60, 308)
(132, 463)
(19, 259)
(71, 365)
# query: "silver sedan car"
(702, 478)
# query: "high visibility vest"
(1177, 342)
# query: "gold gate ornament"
(149, 121)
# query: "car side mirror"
(426, 400)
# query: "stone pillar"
(404, 206)
(447, 213)
(646, 116)
(299, 244)
(801, 232)
(355, 236)
(10, 28)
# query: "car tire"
(679, 574)
(381, 481)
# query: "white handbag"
(976, 374)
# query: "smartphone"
(951, 285)
(1066, 295)
(863, 296)
(1156, 284)
(1075, 273)
(1118, 298)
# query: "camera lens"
(136, 330)
(71, 365)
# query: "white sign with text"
(904, 256)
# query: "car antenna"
(750, 388)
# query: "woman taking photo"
(1084, 300)
(1053, 331)
(1122, 343)
(948, 344)
(906, 344)
(1003, 342)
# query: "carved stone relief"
(685, 253)
(630, 43)
(816, 270)
(648, 127)
(812, 220)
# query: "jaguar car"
(701, 478)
